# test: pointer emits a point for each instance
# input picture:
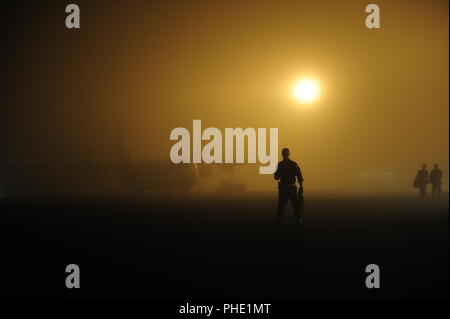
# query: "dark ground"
(191, 246)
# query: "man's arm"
(276, 175)
(299, 176)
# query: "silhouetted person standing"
(421, 180)
(436, 181)
(287, 172)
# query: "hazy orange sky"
(149, 67)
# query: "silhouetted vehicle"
(32, 178)
(436, 181)
(158, 175)
(421, 181)
(228, 187)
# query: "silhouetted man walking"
(287, 172)
(421, 181)
(436, 181)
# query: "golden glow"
(306, 90)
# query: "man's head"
(424, 166)
(285, 153)
(436, 166)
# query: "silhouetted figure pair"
(422, 180)
(287, 172)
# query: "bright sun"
(306, 90)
